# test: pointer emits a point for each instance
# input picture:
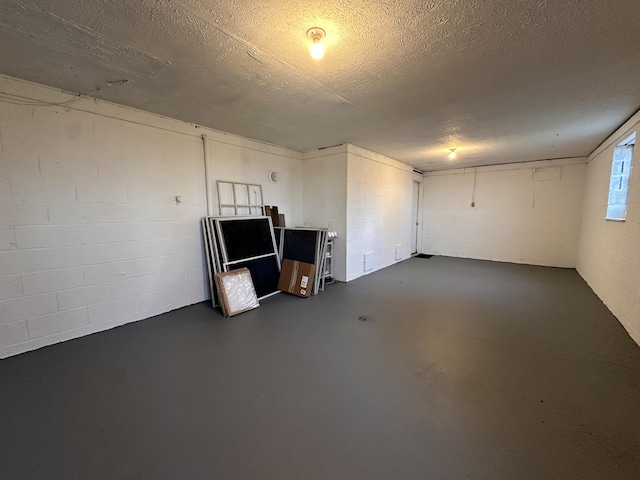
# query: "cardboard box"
(296, 277)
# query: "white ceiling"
(501, 81)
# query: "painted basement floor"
(464, 369)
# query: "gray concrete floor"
(464, 369)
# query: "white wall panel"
(609, 251)
(379, 196)
(88, 215)
(523, 213)
(325, 198)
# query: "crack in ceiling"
(501, 81)
(68, 37)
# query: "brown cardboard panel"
(275, 218)
(296, 277)
(272, 211)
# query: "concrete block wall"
(325, 198)
(524, 213)
(244, 162)
(379, 196)
(91, 236)
(609, 252)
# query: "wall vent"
(368, 261)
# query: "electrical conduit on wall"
(207, 175)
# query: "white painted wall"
(379, 197)
(325, 198)
(609, 252)
(524, 213)
(248, 161)
(364, 196)
(90, 235)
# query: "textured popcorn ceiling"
(501, 81)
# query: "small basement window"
(620, 175)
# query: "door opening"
(415, 208)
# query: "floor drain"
(363, 318)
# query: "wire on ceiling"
(26, 102)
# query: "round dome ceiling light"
(316, 34)
(452, 155)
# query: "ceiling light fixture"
(452, 155)
(316, 34)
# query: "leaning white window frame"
(216, 252)
(621, 166)
(228, 264)
(239, 196)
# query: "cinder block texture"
(379, 205)
(13, 333)
(10, 286)
(7, 238)
(609, 251)
(325, 198)
(90, 234)
(514, 217)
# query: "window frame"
(612, 214)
